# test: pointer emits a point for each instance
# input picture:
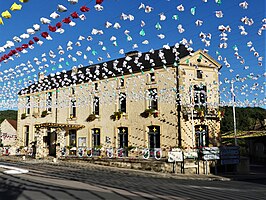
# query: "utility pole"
(192, 116)
(234, 110)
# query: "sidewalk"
(254, 175)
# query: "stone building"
(159, 99)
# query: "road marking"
(13, 170)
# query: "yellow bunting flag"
(23, 1)
(6, 14)
(15, 7)
(1, 21)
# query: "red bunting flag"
(99, 1)
(52, 28)
(84, 9)
(31, 42)
(67, 20)
(74, 15)
(59, 25)
(36, 39)
(44, 34)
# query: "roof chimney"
(132, 53)
(40, 76)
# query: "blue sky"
(250, 76)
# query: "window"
(26, 137)
(122, 82)
(154, 137)
(96, 105)
(122, 102)
(153, 103)
(73, 109)
(49, 102)
(152, 77)
(200, 96)
(28, 105)
(73, 91)
(202, 137)
(122, 137)
(96, 137)
(82, 142)
(199, 74)
(96, 86)
(72, 138)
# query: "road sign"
(211, 157)
(229, 155)
(190, 154)
(175, 156)
(210, 153)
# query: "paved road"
(65, 181)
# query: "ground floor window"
(202, 136)
(82, 141)
(72, 138)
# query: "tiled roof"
(13, 123)
(134, 63)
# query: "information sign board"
(229, 155)
(175, 156)
(210, 153)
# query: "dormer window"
(199, 74)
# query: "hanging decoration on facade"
(98, 50)
(146, 153)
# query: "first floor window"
(153, 99)
(122, 102)
(200, 96)
(96, 105)
(28, 105)
(73, 109)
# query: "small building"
(8, 133)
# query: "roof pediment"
(200, 59)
